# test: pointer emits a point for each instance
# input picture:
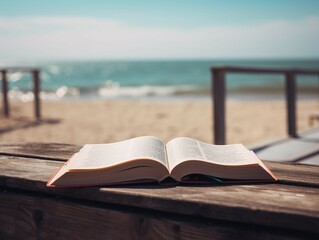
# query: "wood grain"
(54, 151)
(295, 174)
(275, 205)
(24, 216)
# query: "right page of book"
(183, 149)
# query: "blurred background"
(112, 70)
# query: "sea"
(155, 79)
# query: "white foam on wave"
(110, 90)
(142, 91)
(20, 95)
(16, 76)
(53, 69)
(67, 91)
(27, 96)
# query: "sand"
(102, 121)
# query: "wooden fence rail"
(36, 88)
(219, 95)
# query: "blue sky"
(159, 29)
(178, 13)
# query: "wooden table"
(29, 210)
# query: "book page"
(93, 156)
(147, 147)
(182, 149)
(233, 154)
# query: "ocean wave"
(108, 92)
(147, 91)
(27, 96)
(114, 91)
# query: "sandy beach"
(84, 121)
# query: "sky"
(166, 29)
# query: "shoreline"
(230, 96)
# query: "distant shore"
(107, 79)
(104, 121)
(158, 94)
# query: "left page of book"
(141, 159)
(97, 156)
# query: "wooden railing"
(36, 88)
(219, 94)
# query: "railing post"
(218, 79)
(6, 110)
(36, 90)
(291, 103)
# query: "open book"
(148, 159)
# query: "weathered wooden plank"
(219, 96)
(314, 160)
(312, 133)
(56, 151)
(27, 216)
(5, 102)
(254, 70)
(291, 149)
(290, 82)
(276, 205)
(295, 174)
